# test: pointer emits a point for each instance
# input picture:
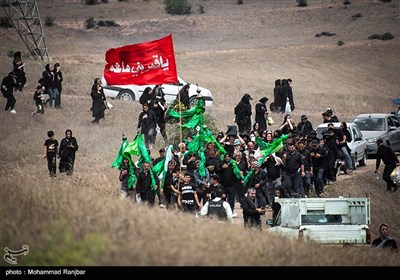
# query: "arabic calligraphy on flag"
(145, 63)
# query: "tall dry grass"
(65, 224)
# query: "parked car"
(133, 92)
(358, 144)
(379, 126)
(329, 221)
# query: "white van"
(333, 221)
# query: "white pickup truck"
(333, 221)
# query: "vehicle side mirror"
(392, 128)
(270, 222)
(358, 139)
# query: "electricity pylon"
(24, 16)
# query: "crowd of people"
(50, 84)
(302, 168)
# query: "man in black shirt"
(50, 151)
(294, 171)
(389, 158)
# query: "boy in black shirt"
(50, 151)
(39, 98)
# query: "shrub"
(302, 3)
(239, 2)
(5, 22)
(340, 43)
(49, 21)
(357, 15)
(346, 2)
(90, 23)
(387, 1)
(90, 2)
(107, 23)
(386, 36)
(177, 7)
(201, 9)
(374, 36)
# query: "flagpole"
(180, 138)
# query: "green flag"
(275, 146)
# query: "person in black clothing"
(331, 116)
(217, 207)
(51, 151)
(58, 78)
(98, 99)
(304, 127)
(294, 171)
(287, 94)
(159, 94)
(147, 97)
(169, 191)
(124, 178)
(252, 210)
(144, 185)
(183, 95)
(187, 199)
(48, 82)
(213, 161)
(384, 240)
(39, 98)
(276, 207)
(68, 148)
(7, 88)
(308, 166)
(319, 155)
(389, 158)
(279, 101)
(243, 114)
(332, 155)
(262, 114)
(159, 110)
(214, 186)
(18, 69)
(259, 180)
(233, 183)
(275, 168)
(147, 124)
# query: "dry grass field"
(230, 49)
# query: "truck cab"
(331, 221)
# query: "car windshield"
(370, 124)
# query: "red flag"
(148, 63)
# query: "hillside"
(230, 49)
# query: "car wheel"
(192, 100)
(363, 161)
(126, 95)
(354, 162)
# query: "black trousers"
(10, 102)
(386, 176)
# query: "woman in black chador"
(98, 99)
(68, 147)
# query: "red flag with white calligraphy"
(148, 63)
